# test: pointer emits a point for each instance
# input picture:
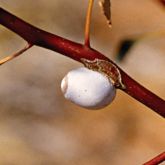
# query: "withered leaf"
(106, 7)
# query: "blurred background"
(39, 127)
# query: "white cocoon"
(87, 88)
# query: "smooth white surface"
(87, 88)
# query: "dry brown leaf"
(106, 7)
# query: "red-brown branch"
(76, 51)
(157, 160)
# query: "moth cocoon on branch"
(88, 88)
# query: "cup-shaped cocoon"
(87, 88)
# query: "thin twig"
(157, 160)
(88, 22)
(8, 58)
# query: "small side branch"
(8, 58)
(88, 22)
(157, 160)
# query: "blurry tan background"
(39, 127)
